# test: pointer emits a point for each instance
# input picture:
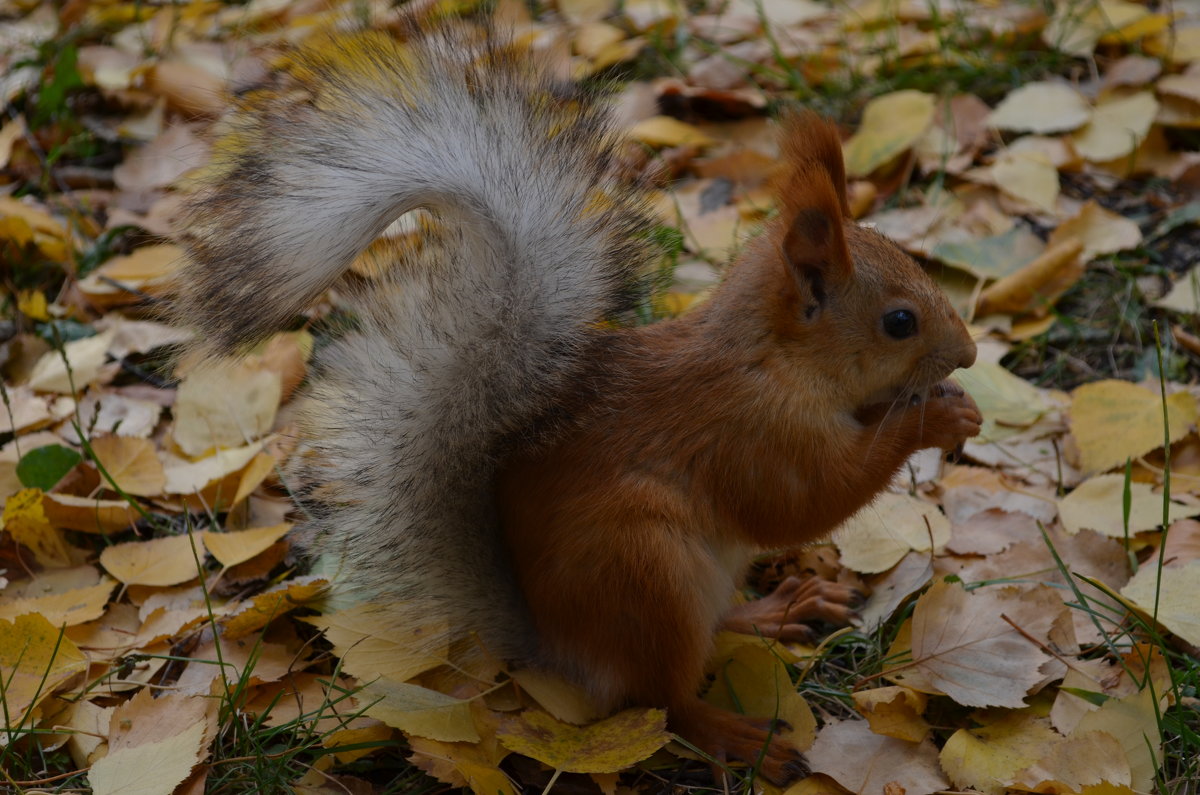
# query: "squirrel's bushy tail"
(467, 338)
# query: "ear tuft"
(812, 199)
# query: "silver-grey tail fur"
(465, 343)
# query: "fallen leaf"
(879, 535)
(981, 758)
(256, 613)
(151, 768)
(894, 711)
(753, 681)
(159, 561)
(225, 405)
(233, 548)
(1134, 721)
(74, 367)
(1102, 231)
(1073, 764)
(863, 762)
(608, 746)
(891, 124)
(68, 608)
(1097, 504)
(663, 131)
(1176, 597)
(35, 660)
(1117, 128)
(1041, 107)
(25, 520)
(371, 642)
(1099, 407)
(419, 711)
(131, 463)
(1029, 177)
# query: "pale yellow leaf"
(152, 768)
(752, 680)
(25, 520)
(564, 700)
(1098, 504)
(68, 608)
(1076, 29)
(1180, 45)
(611, 745)
(1177, 597)
(1008, 403)
(1029, 177)
(188, 477)
(132, 464)
(265, 607)
(1134, 722)
(85, 356)
(158, 561)
(1099, 407)
(372, 642)
(225, 405)
(879, 535)
(1075, 763)
(1041, 107)
(891, 125)
(462, 764)
(237, 547)
(1117, 128)
(419, 711)
(1184, 295)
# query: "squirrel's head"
(874, 324)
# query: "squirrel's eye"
(900, 324)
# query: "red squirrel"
(485, 456)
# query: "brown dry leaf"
(891, 125)
(25, 520)
(894, 711)
(1181, 545)
(248, 660)
(233, 548)
(132, 464)
(1177, 593)
(419, 711)
(1102, 231)
(1099, 407)
(1071, 765)
(35, 661)
(372, 643)
(271, 604)
(983, 757)
(878, 536)
(1041, 107)
(159, 163)
(88, 514)
(160, 561)
(963, 647)
(225, 405)
(611, 745)
(1098, 504)
(66, 608)
(1118, 127)
(84, 357)
(752, 680)
(153, 744)
(147, 270)
(188, 88)
(891, 589)
(87, 723)
(864, 762)
(664, 131)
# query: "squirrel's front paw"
(949, 417)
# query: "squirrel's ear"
(812, 201)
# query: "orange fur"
(762, 419)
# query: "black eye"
(900, 324)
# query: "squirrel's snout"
(966, 357)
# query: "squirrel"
(488, 453)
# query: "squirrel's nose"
(966, 357)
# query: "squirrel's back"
(466, 340)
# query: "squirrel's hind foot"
(725, 736)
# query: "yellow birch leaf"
(272, 603)
(32, 304)
(225, 405)
(189, 477)
(891, 125)
(1102, 231)
(1180, 46)
(462, 764)
(35, 660)
(159, 561)
(1041, 107)
(69, 608)
(1176, 597)
(1098, 504)
(753, 681)
(1029, 177)
(564, 700)
(253, 475)
(611, 745)
(1133, 721)
(88, 514)
(419, 711)
(864, 762)
(1008, 403)
(371, 642)
(662, 131)
(132, 463)
(237, 547)
(883, 532)
(151, 768)
(1118, 127)
(1077, 762)
(25, 520)
(373, 732)
(983, 757)
(1099, 407)
(1184, 295)
(37, 219)
(894, 711)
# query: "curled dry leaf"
(237, 547)
(71, 369)
(1102, 231)
(1037, 284)
(664, 131)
